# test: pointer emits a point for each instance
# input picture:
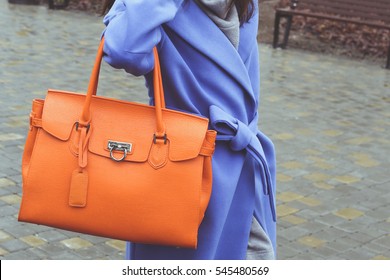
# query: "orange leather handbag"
(117, 169)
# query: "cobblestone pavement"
(328, 117)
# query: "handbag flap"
(126, 122)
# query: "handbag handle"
(157, 87)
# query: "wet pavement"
(328, 116)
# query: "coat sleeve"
(133, 28)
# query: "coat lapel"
(211, 43)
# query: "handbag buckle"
(155, 137)
(119, 146)
(88, 126)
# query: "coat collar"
(213, 43)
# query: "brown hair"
(244, 7)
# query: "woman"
(209, 62)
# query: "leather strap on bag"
(159, 99)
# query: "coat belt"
(244, 137)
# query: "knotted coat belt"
(246, 137)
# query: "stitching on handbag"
(165, 156)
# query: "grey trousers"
(259, 244)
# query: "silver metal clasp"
(119, 146)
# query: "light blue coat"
(204, 74)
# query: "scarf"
(225, 16)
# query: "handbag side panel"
(35, 123)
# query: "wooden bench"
(373, 13)
(58, 4)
